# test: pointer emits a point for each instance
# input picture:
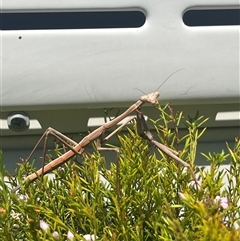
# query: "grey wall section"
(12, 156)
(16, 145)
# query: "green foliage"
(145, 196)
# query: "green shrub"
(145, 196)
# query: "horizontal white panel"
(73, 4)
(42, 68)
(228, 116)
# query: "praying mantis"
(97, 134)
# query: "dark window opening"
(72, 20)
(212, 17)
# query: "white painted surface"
(96, 66)
(228, 116)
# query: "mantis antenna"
(168, 78)
(162, 82)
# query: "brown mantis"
(78, 148)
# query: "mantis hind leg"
(118, 183)
(61, 137)
(50, 131)
(145, 133)
(102, 140)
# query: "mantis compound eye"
(18, 121)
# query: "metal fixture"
(18, 121)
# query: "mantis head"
(150, 98)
